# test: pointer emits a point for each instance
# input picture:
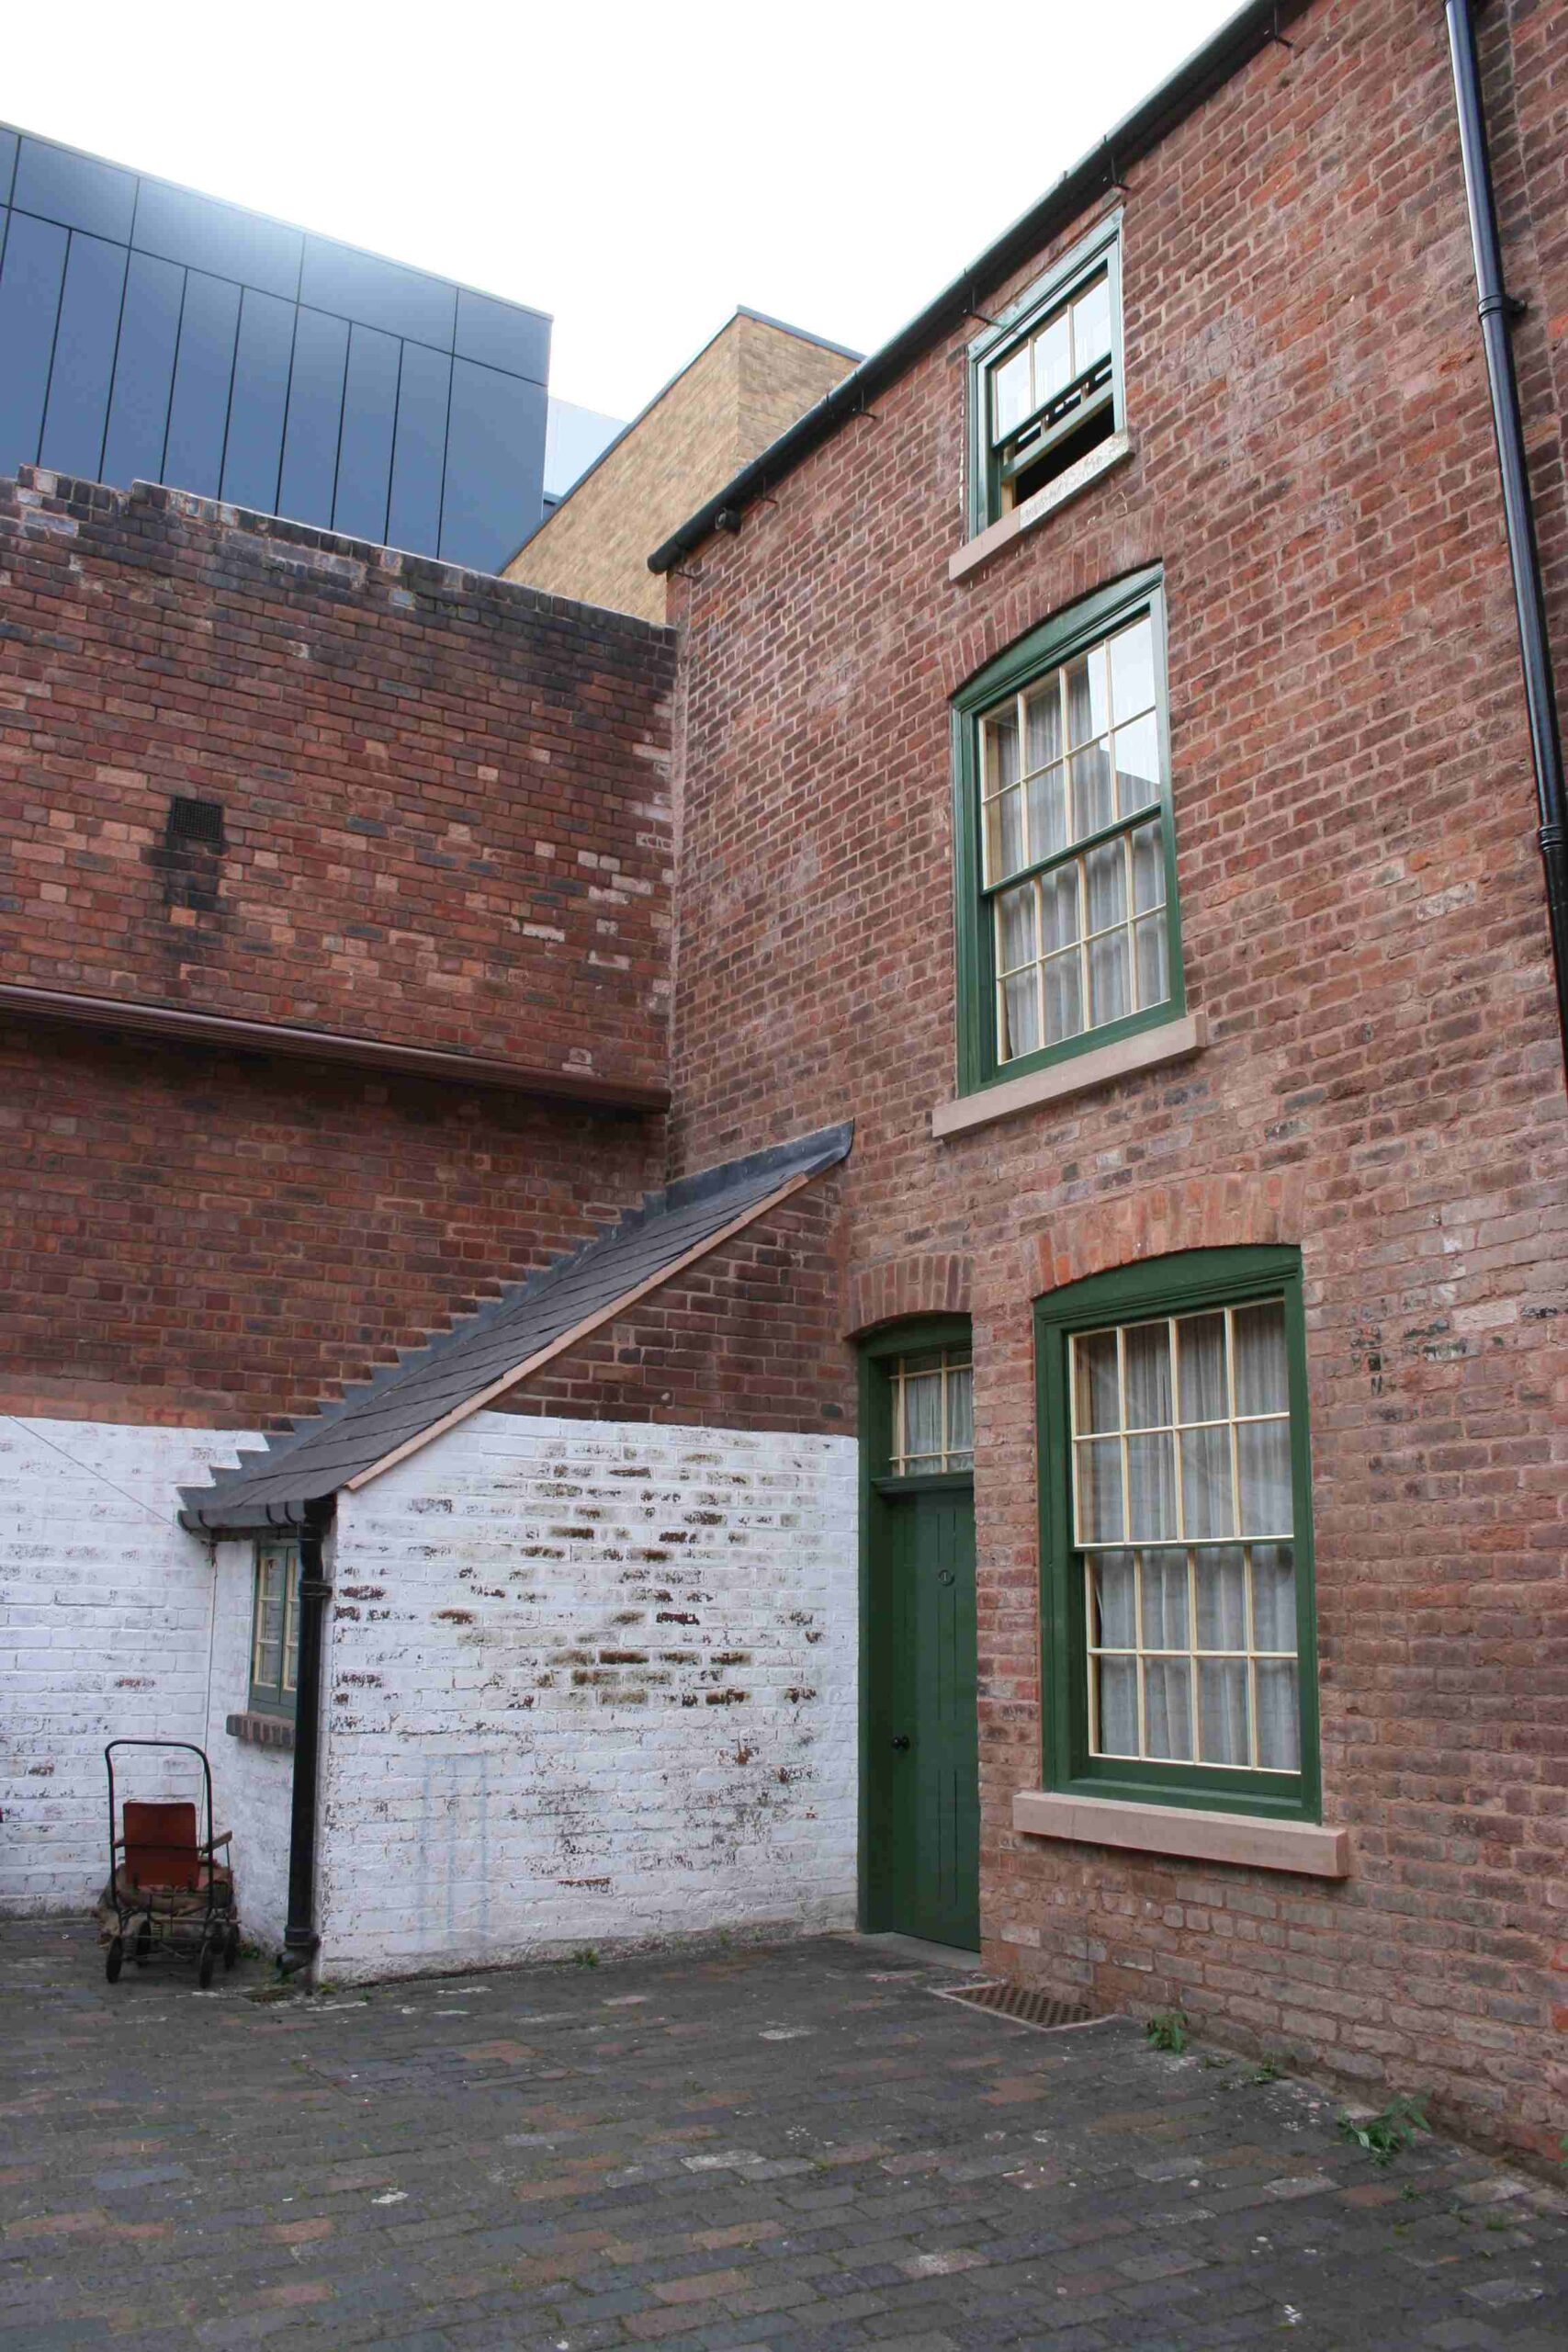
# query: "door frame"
(910, 1337)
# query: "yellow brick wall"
(740, 392)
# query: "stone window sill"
(1247, 1839)
(1148, 1050)
(988, 544)
(262, 1731)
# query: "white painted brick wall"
(107, 1630)
(500, 1783)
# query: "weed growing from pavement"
(586, 1957)
(1389, 2133)
(1167, 2030)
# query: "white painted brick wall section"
(590, 1683)
(108, 1631)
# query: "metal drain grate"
(1020, 2003)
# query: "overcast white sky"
(636, 170)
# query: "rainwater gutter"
(1497, 310)
(301, 1940)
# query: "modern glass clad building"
(151, 333)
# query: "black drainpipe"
(301, 1939)
(1497, 310)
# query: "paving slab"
(795, 2148)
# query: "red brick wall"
(222, 1240)
(1364, 931)
(444, 797)
(747, 1339)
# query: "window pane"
(1220, 1576)
(1015, 928)
(1137, 764)
(1053, 359)
(1047, 813)
(961, 1410)
(1164, 1576)
(1261, 1383)
(1168, 1709)
(1020, 1016)
(1278, 1729)
(1206, 1482)
(1087, 712)
(1094, 1406)
(1092, 806)
(1148, 868)
(1009, 395)
(1109, 977)
(923, 1415)
(1263, 1457)
(1059, 906)
(1200, 1361)
(1043, 719)
(1063, 998)
(1147, 1352)
(1222, 1711)
(1118, 1706)
(1274, 1598)
(1151, 1488)
(1105, 885)
(1005, 850)
(291, 1646)
(268, 1662)
(1154, 961)
(1091, 322)
(1100, 1490)
(1114, 1623)
(1132, 669)
(1001, 749)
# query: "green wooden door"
(923, 1874)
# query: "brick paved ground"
(798, 2148)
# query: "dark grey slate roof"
(311, 1462)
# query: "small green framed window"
(274, 1628)
(1068, 933)
(1176, 1534)
(917, 1403)
(1045, 379)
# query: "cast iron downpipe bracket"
(301, 1939)
(1497, 309)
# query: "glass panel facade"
(209, 348)
(252, 454)
(83, 363)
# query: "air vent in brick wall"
(1021, 2003)
(195, 824)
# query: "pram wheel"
(231, 1946)
(204, 1965)
(114, 1960)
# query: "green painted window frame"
(273, 1697)
(1194, 1280)
(1102, 247)
(1046, 647)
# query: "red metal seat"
(161, 1848)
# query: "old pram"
(168, 1893)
